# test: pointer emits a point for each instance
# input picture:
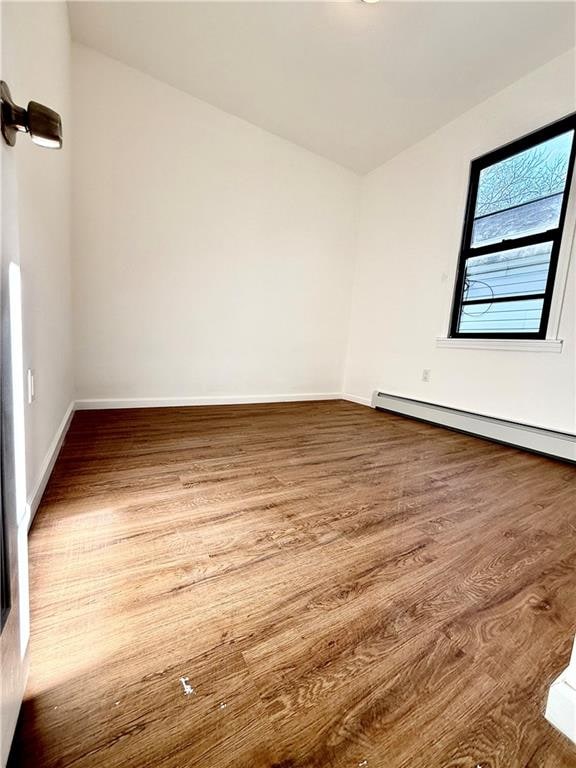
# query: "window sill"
(508, 345)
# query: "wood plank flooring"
(341, 588)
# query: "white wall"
(210, 257)
(410, 224)
(36, 65)
(34, 215)
(204, 246)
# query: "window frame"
(551, 235)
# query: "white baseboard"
(534, 438)
(561, 706)
(355, 399)
(35, 496)
(167, 402)
(557, 444)
(47, 466)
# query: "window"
(517, 201)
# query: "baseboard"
(167, 402)
(355, 399)
(35, 496)
(561, 445)
(561, 707)
(557, 444)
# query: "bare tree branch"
(524, 177)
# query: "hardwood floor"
(341, 588)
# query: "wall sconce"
(43, 124)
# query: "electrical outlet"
(426, 374)
(31, 386)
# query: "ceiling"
(351, 81)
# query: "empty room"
(288, 383)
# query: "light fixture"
(370, 1)
(42, 123)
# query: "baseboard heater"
(560, 445)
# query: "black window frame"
(554, 235)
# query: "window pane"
(523, 194)
(527, 219)
(515, 272)
(537, 172)
(501, 317)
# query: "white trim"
(168, 402)
(546, 442)
(564, 257)
(559, 444)
(561, 706)
(360, 400)
(508, 345)
(35, 496)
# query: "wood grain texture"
(340, 587)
